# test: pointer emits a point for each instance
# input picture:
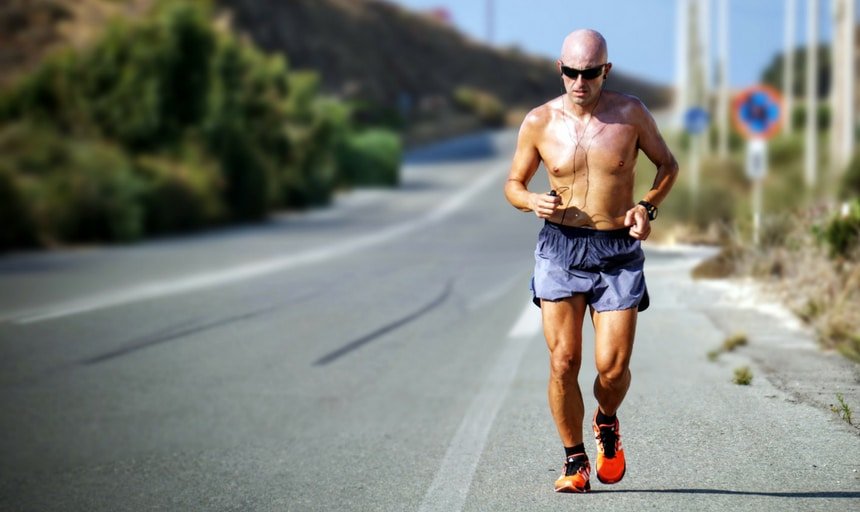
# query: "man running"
(588, 251)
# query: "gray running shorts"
(605, 266)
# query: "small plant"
(729, 344)
(743, 376)
(734, 341)
(842, 409)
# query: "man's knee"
(613, 371)
(565, 364)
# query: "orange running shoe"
(610, 455)
(574, 475)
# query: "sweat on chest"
(610, 150)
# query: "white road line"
(203, 280)
(450, 486)
(529, 323)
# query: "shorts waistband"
(578, 232)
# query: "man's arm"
(652, 144)
(525, 164)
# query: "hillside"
(391, 59)
(384, 53)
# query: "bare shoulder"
(629, 107)
(539, 117)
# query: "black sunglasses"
(587, 74)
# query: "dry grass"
(823, 291)
(743, 376)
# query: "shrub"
(851, 179)
(14, 213)
(371, 157)
(181, 193)
(841, 233)
(483, 104)
(316, 132)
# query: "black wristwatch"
(650, 208)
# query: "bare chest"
(608, 148)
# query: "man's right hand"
(544, 205)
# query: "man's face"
(582, 72)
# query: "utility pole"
(682, 84)
(723, 93)
(705, 66)
(811, 145)
(788, 65)
(842, 86)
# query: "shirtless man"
(588, 252)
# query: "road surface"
(379, 355)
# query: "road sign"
(696, 120)
(756, 168)
(757, 112)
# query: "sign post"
(696, 121)
(757, 114)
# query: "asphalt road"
(381, 354)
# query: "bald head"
(584, 48)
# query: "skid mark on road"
(450, 487)
(364, 340)
(159, 289)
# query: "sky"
(641, 34)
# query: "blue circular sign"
(696, 120)
(758, 112)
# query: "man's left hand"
(637, 218)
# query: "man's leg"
(613, 345)
(562, 327)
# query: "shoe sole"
(573, 489)
(607, 482)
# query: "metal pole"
(695, 165)
(682, 75)
(842, 93)
(723, 97)
(757, 207)
(811, 145)
(850, 77)
(788, 65)
(706, 62)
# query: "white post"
(757, 207)
(811, 145)
(723, 97)
(681, 70)
(788, 65)
(695, 165)
(842, 81)
(756, 170)
(850, 64)
(705, 66)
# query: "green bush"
(483, 104)
(798, 117)
(181, 194)
(371, 157)
(841, 234)
(851, 179)
(166, 124)
(18, 229)
(317, 128)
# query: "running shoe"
(610, 455)
(574, 475)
